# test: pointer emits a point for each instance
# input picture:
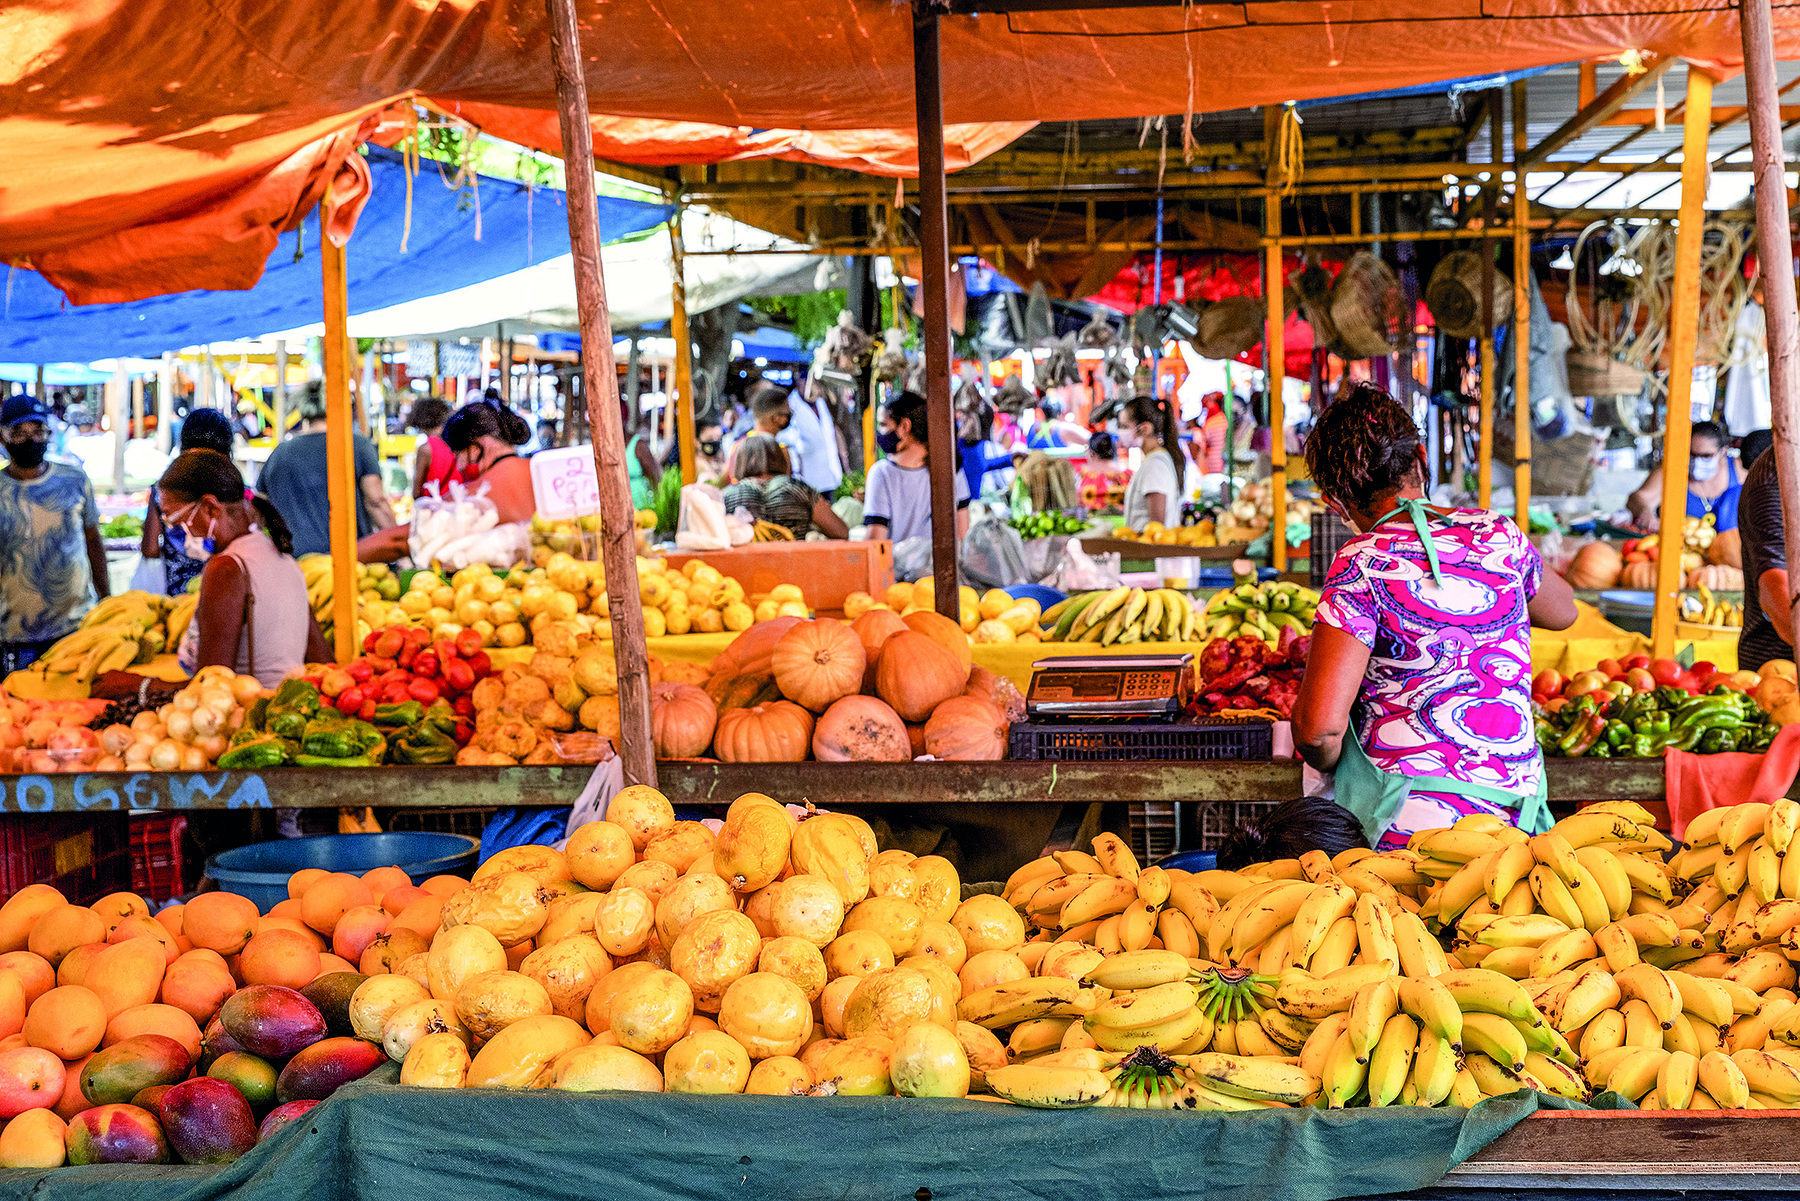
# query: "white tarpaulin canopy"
(638, 286)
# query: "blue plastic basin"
(1190, 861)
(260, 871)
(1045, 597)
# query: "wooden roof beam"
(1614, 98)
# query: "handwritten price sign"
(563, 481)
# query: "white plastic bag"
(702, 524)
(1082, 572)
(457, 526)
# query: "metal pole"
(281, 368)
(1521, 324)
(209, 386)
(1273, 283)
(165, 402)
(1484, 469)
(601, 388)
(1684, 320)
(684, 356)
(934, 252)
(340, 457)
(43, 396)
(1776, 254)
(117, 394)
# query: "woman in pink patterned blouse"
(1418, 686)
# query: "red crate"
(158, 870)
(83, 855)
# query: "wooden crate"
(826, 572)
(84, 856)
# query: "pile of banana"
(315, 569)
(1122, 617)
(1702, 607)
(1260, 609)
(1475, 962)
(768, 531)
(122, 630)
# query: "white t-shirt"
(1154, 476)
(901, 496)
(812, 431)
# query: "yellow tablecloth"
(1593, 638)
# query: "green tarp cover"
(375, 1141)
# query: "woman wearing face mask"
(897, 496)
(203, 429)
(1156, 488)
(485, 436)
(1418, 685)
(709, 453)
(1714, 483)
(253, 615)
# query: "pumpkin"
(982, 683)
(916, 675)
(817, 662)
(682, 718)
(915, 734)
(778, 732)
(1726, 548)
(1638, 576)
(743, 675)
(966, 727)
(872, 629)
(861, 728)
(1596, 565)
(947, 633)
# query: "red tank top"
(443, 462)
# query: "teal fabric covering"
(377, 1141)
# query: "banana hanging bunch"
(120, 631)
(1260, 609)
(1122, 617)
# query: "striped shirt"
(1760, 523)
(781, 500)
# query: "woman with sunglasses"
(253, 615)
(1418, 685)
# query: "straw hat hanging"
(1454, 295)
(1366, 307)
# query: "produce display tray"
(1194, 738)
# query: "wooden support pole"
(683, 370)
(1684, 321)
(1599, 109)
(207, 394)
(136, 429)
(281, 395)
(340, 456)
(1775, 254)
(118, 409)
(1274, 282)
(1484, 469)
(601, 391)
(1521, 323)
(934, 287)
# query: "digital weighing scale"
(1098, 687)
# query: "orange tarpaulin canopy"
(146, 135)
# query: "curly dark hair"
(1364, 446)
(1291, 829)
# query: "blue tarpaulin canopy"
(519, 226)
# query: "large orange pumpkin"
(861, 728)
(778, 732)
(946, 633)
(872, 629)
(817, 662)
(916, 674)
(682, 718)
(966, 727)
(982, 683)
(742, 675)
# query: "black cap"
(22, 406)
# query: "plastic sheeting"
(518, 226)
(131, 119)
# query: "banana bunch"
(1122, 617)
(768, 531)
(1260, 609)
(1703, 607)
(118, 632)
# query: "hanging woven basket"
(1454, 295)
(1366, 307)
(1229, 327)
(1595, 373)
(1311, 293)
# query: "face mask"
(194, 546)
(27, 454)
(471, 469)
(1125, 439)
(1703, 468)
(888, 441)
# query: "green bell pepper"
(328, 761)
(392, 717)
(330, 738)
(441, 715)
(253, 754)
(1618, 734)
(424, 744)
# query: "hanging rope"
(1290, 152)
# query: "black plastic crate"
(1191, 739)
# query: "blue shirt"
(46, 583)
(1723, 507)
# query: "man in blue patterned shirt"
(52, 563)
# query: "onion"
(181, 724)
(187, 698)
(144, 720)
(138, 754)
(206, 720)
(115, 738)
(213, 745)
(162, 714)
(166, 755)
(159, 731)
(214, 671)
(109, 763)
(245, 689)
(193, 759)
(217, 696)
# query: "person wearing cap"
(52, 563)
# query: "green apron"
(1374, 796)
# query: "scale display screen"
(1099, 686)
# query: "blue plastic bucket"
(1045, 597)
(1190, 861)
(260, 871)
